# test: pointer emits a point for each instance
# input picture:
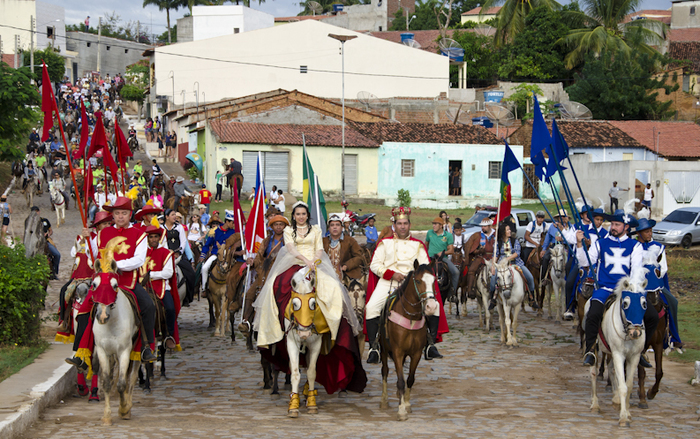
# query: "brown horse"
(239, 182)
(357, 290)
(534, 263)
(217, 288)
(403, 332)
(584, 290)
(186, 205)
(657, 343)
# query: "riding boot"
(372, 330)
(471, 278)
(492, 300)
(82, 320)
(430, 349)
(593, 320)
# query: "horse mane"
(412, 274)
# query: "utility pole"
(31, 47)
(138, 31)
(0, 47)
(16, 51)
(99, 47)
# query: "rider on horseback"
(560, 231)
(439, 240)
(211, 247)
(392, 261)
(176, 240)
(160, 265)
(509, 248)
(343, 251)
(617, 256)
(180, 191)
(479, 249)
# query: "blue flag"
(561, 151)
(540, 140)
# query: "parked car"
(522, 219)
(681, 227)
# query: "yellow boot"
(293, 411)
(311, 401)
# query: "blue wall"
(431, 178)
(599, 154)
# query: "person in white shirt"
(459, 240)
(99, 199)
(648, 196)
(273, 195)
(280, 201)
(534, 233)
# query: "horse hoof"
(595, 409)
(625, 424)
(107, 421)
(402, 417)
(217, 334)
(275, 396)
(147, 391)
(313, 410)
(549, 318)
(343, 394)
(384, 405)
(293, 413)
(643, 405)
(127, 416)
(651, 395)
(409, 409)
(267, 391)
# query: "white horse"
(483, 281)
(511, 292)
(557, 273)
(623, 329)
(59, 203)
(114, 329)
(299, 325)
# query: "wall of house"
(429, 187)
(215, 21)
(46, 15)
(550, 91)
(185, 29)
(290, 115)
(115, 54)
(371, 17)
(681, 16)
(477, 18)
(596, 180)
(279, 52)
(18, 13)
(599, 154)
(325, 161)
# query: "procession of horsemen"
(320, 301)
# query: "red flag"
(108, 161)
(255, 227)
(87, 185)
(48, 104)
(123, 150)
(510, 163)
(237, 211)
(99, 138)
(84, 130)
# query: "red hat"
(147, 209)
(101, 217)
(122, 203)
(154, 230)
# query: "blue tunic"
(614, 263)
(220, 236)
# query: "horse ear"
(98, 266)
(415, 264)
(114, 266)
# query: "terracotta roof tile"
(288, 134)
(692, 34)
(676, 139)
(426, 38)
(426, 133)
(686, 50)
(477, 11)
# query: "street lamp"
(342, 39)
(408, 22)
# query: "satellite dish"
(484, 29)
(368, 99)
(574, 111)
(458, 115)
(314, 7)
(451, 49)
(500, 114)
(412, 43)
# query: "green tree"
(481, 56)
(55, 63)
(163, 38)
(534, 54)
(512, 16)
(606, 31)
(425, 17)
(617, 88)
(19, 102)
(522, 99)
(167, 6)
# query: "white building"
(216, 21)
(16, 20)
(297, 56)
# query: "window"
(126, 50)
(303, 69)
(88, 44)
(108, 47)
(236, 30)
(627, 156)
(523, 219)
(408, 168)
(495, 170)
(49, 31)
(692, 10)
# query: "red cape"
(372, 284)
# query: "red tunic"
(157, 260)
(126, 240)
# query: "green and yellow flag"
(313, 195)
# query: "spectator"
(148, 128)
(220, 177)
(371, 233)
(159, 139)
(5, 212)
(648, 195)
(280, 202)
(53, 251)
(614, 195)
(251, 197)
(447, 227)
(205, 197)
(273, 195)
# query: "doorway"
(455, 182)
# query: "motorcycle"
(357, 222)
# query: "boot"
(147, 355)
(372, 330)
(77, 362)
(644, 362)
(492, 300)
(430, 350)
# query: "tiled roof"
(580, 134)
(692, 34)
(301, 18)
(426, 38)
(316, 135)
(477, 11)
(662, 15)
(686, 50)
(675, 139)
(9, 59)
(426, 133)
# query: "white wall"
(18, 13)
(371, 17)
(268, 59)
(46, 15)
(216, 21)
(680, 15)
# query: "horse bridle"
(422, 298)
(501, 286)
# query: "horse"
(510, 290)
(403, 332)
(34, 237)
(186, 204)
(31, 189)
(622, 337)
(75, 296)
(482, 285)
(158, 184)
(235, 292)
(133, 143)
(357, 290)
(557, 274)
(115, 330)
(229, 182)
(59, 203)
(442, 274)
(217, 288)
(78, 188)
(534, 264)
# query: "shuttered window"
(495, 170)
(275, 167)
(408, 168)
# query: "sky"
(76, 12)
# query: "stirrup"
(373, 356)
(589, 359)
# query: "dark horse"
(230, 177)
(656, 342)
(403, 332)
(439, 267)
(161, 329)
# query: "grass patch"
(688, 317)
(683, 264)
(14, 358)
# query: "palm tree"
(604, 30)
(165, 5)
(511, 17)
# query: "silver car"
(681, 227)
